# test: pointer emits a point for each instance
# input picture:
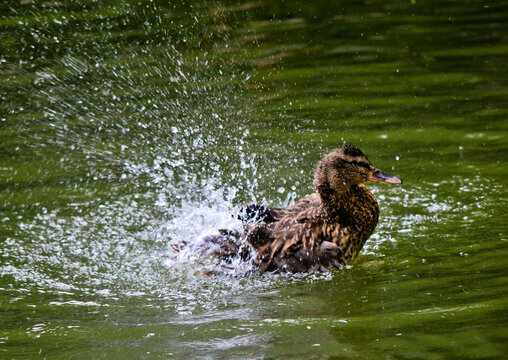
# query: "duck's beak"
(379, 176)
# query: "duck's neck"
(336, 203)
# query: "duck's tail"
(229, 245)
(225, 246)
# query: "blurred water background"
(129, 125)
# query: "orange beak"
(379, 176)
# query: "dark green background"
(127, 125)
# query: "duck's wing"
(296, 243)
(254, 213)
(260, 213)
(299, 248)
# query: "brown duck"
(321, 231)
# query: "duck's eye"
(361, 164)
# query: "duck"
(322, 231)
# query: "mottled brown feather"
(293, 241)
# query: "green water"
(125, 126)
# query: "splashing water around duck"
(322, 231)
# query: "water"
(125, 127)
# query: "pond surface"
(128, 126)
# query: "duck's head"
(348, 166)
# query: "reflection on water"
(127, 127)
